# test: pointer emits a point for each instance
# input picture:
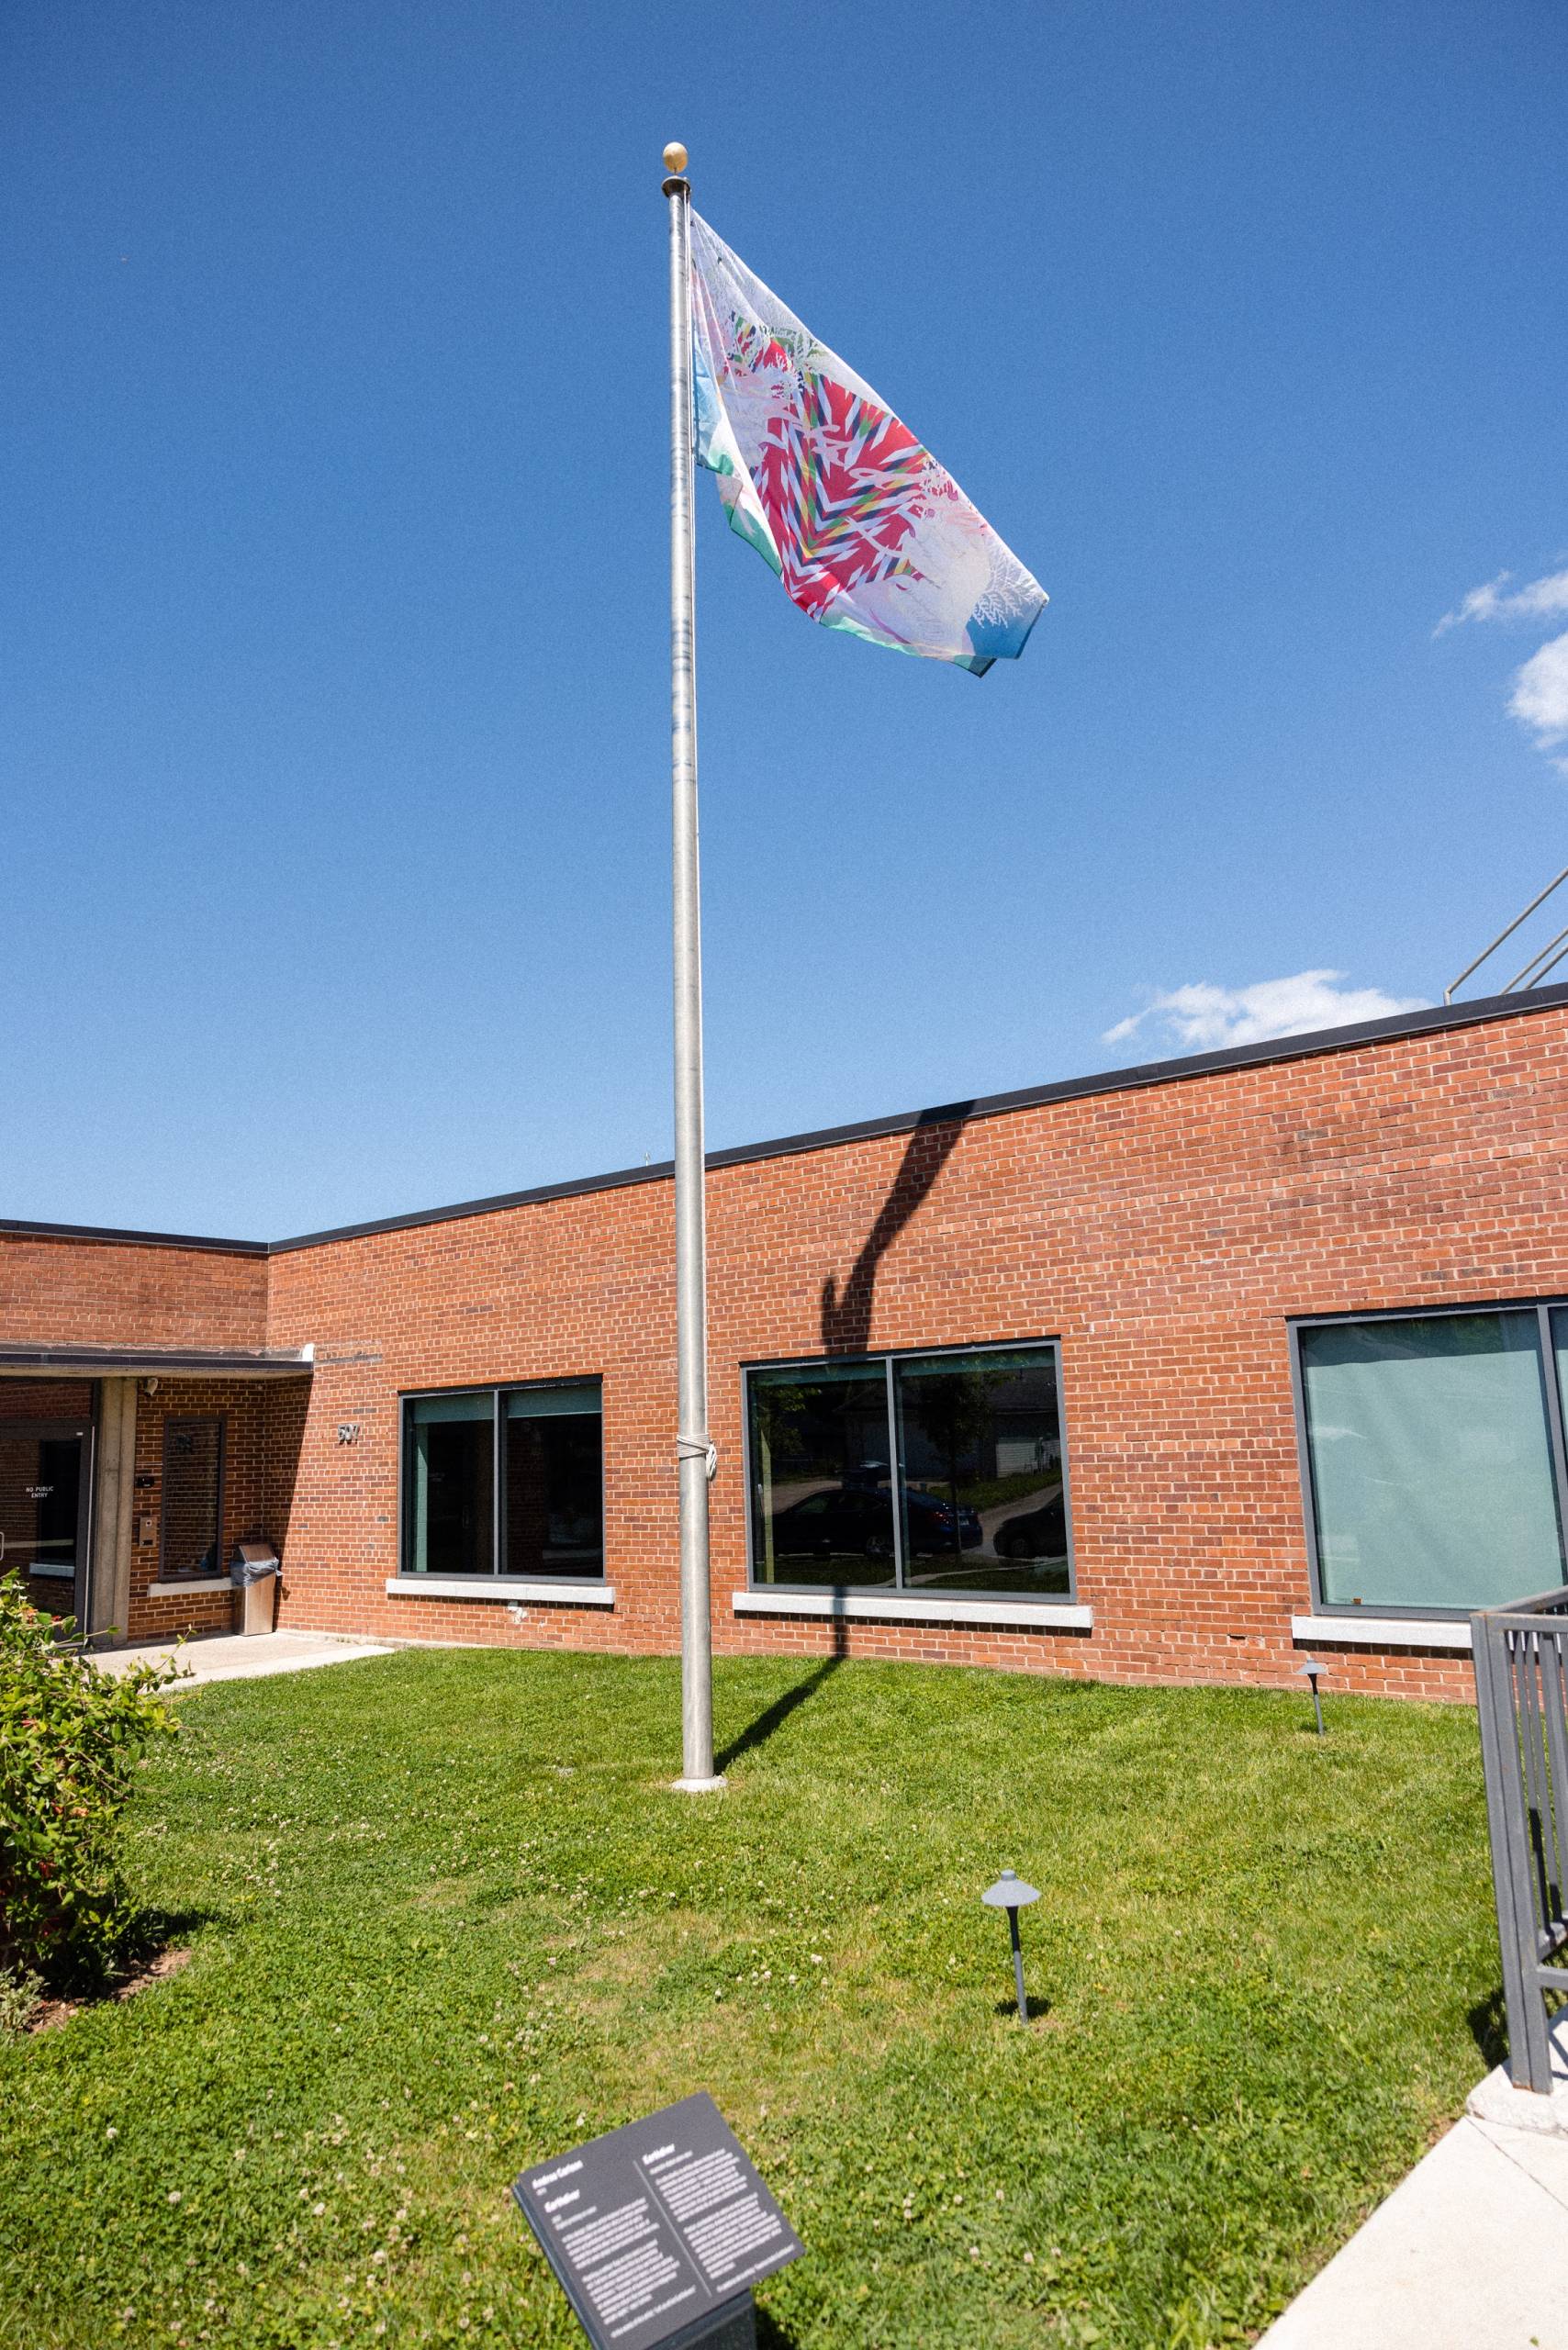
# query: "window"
(553, 1481)
(193, 1500)
(504, 1480)
(1433, 1468)
(936, 1472)
(451, 1511)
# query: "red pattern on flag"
(843, 484)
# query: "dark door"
(43, 1518)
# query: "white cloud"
(1541, 599)
(1539, 699)
(1201, 1017)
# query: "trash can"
(254, 1571)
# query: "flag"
(866, 530)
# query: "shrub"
(71, 1740)
(19, 1994)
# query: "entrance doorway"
(43, 1513)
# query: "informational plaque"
(654, 2228)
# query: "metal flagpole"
(694, 1452)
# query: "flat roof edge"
(108, 1234)
(1141, 1075)
(1387, 1030)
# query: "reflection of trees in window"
(776, 1413)
(829, 1431)
(963, 1449)
(953, 1408)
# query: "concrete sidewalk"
(235, 1657)
(1470, 2252)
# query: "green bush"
(70, 1740)
(19, 1994)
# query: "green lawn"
(446, 1920)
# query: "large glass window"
(1430, 1449)
(504, 1480)
(554, 1516)
(980, 1471)
(451, 1456)
(939, 1472)
(821, 1475)
(193, 1499)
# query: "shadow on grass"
(758, 1732)
(1489, 2022)
(153, 1931)
(1039, 2009)
(771, 2335)
(151, 1934)
(157, 1947)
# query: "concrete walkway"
(235, 1657)
(1470, 2252)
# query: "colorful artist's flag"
(866, 530)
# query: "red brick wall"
(74, 1292)
(46, 1398)
(1163, 1235)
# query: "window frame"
(1542, 1308)
(498, 1392)
(193, 1420)
(899, 1593)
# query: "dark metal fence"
(1522, 1687)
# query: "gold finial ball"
(674, 157)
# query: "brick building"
(1166, 1374)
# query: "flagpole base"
(699, 1786)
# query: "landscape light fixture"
(1310, 1670)
(1010, 1893)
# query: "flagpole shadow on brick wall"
(847, 1313)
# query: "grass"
(446, 1920)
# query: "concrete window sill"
(508, 1589)
(907, 1607)
(1383, 1631)
(184, 1590)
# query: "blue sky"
(335, 879)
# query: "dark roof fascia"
(111, 1232)
(1434, 1018)
(214, 1363)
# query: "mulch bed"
(49, 2013)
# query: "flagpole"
(692, 1449)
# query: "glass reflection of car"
(930, 1523)
(1034, 1533)
(857, 1517)
(847, 1518)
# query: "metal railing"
(1536, 969)
(1521, 1686)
